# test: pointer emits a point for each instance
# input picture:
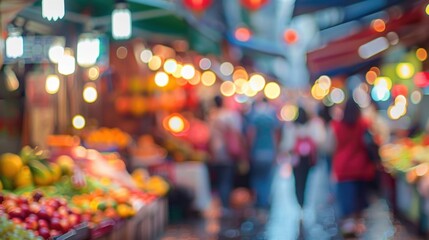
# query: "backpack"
(305, 147)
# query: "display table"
(195, 177)
(147, 224)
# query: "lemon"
(10, 164)
(23, 178)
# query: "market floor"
(319, 218)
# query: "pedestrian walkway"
(284, 222)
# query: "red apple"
(16, 213)
(31, 224)
(22, 200)
(65, 225)
(43, 223)
(43, 214)
(55, 224)
(53, 203)
(25, 209)
(17, 220)
(73, 219)
(9, 204)
(56, 215)
(34, 207)
(54, 233)
(63, 212)
(44, 233)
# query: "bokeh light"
(155, 63)
(175, 123)
(401, 100)
(170, 66)
(226, 68)
(272, 90)
(257, 82)
(52, 84)
(146, 55)
(55, 53)
(337, 95)
(383, 82)
(178, 72)
(290, 36)
(427, 9)
(376, 70)
(161, 79)
(416, 97)
(93, 73)
(405, 70)
(324, 82)
(250, 92)
(370, 77)
(378, 25)
(361, 97)
(208, 78)
(195, 79)
(241, 85)
(78, 122)
(242, 34)
(188, 71)
(121, 52)
(205, 63)
(227, 88)
(90, 93)
(380, 93)
(240, 72)
(421, 54)
(318, 93)
(289, 113)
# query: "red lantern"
(399, 89)
(421, 79)
(290, 36)
(253, 5)
(197, 5)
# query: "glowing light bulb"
(52, 84)
(14, 45)
(90, 94)
(78, 122)
(66, 64)
(272, 90)
(161, 79)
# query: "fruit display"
(405, 154)
(47, 197)
(46, 217)
(147, 152)
(11, 231)
(107, 138)
(30, 168)
(151, 184)
(181, 150)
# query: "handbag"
(372, 148)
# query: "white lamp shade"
(88, 50)
(53, 9)
(14, 46)
(67, 65)
(121, 23)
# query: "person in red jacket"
(352, 170)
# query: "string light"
(52, 84)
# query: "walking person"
(225, 146)
(353, 170)
(263, 135)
